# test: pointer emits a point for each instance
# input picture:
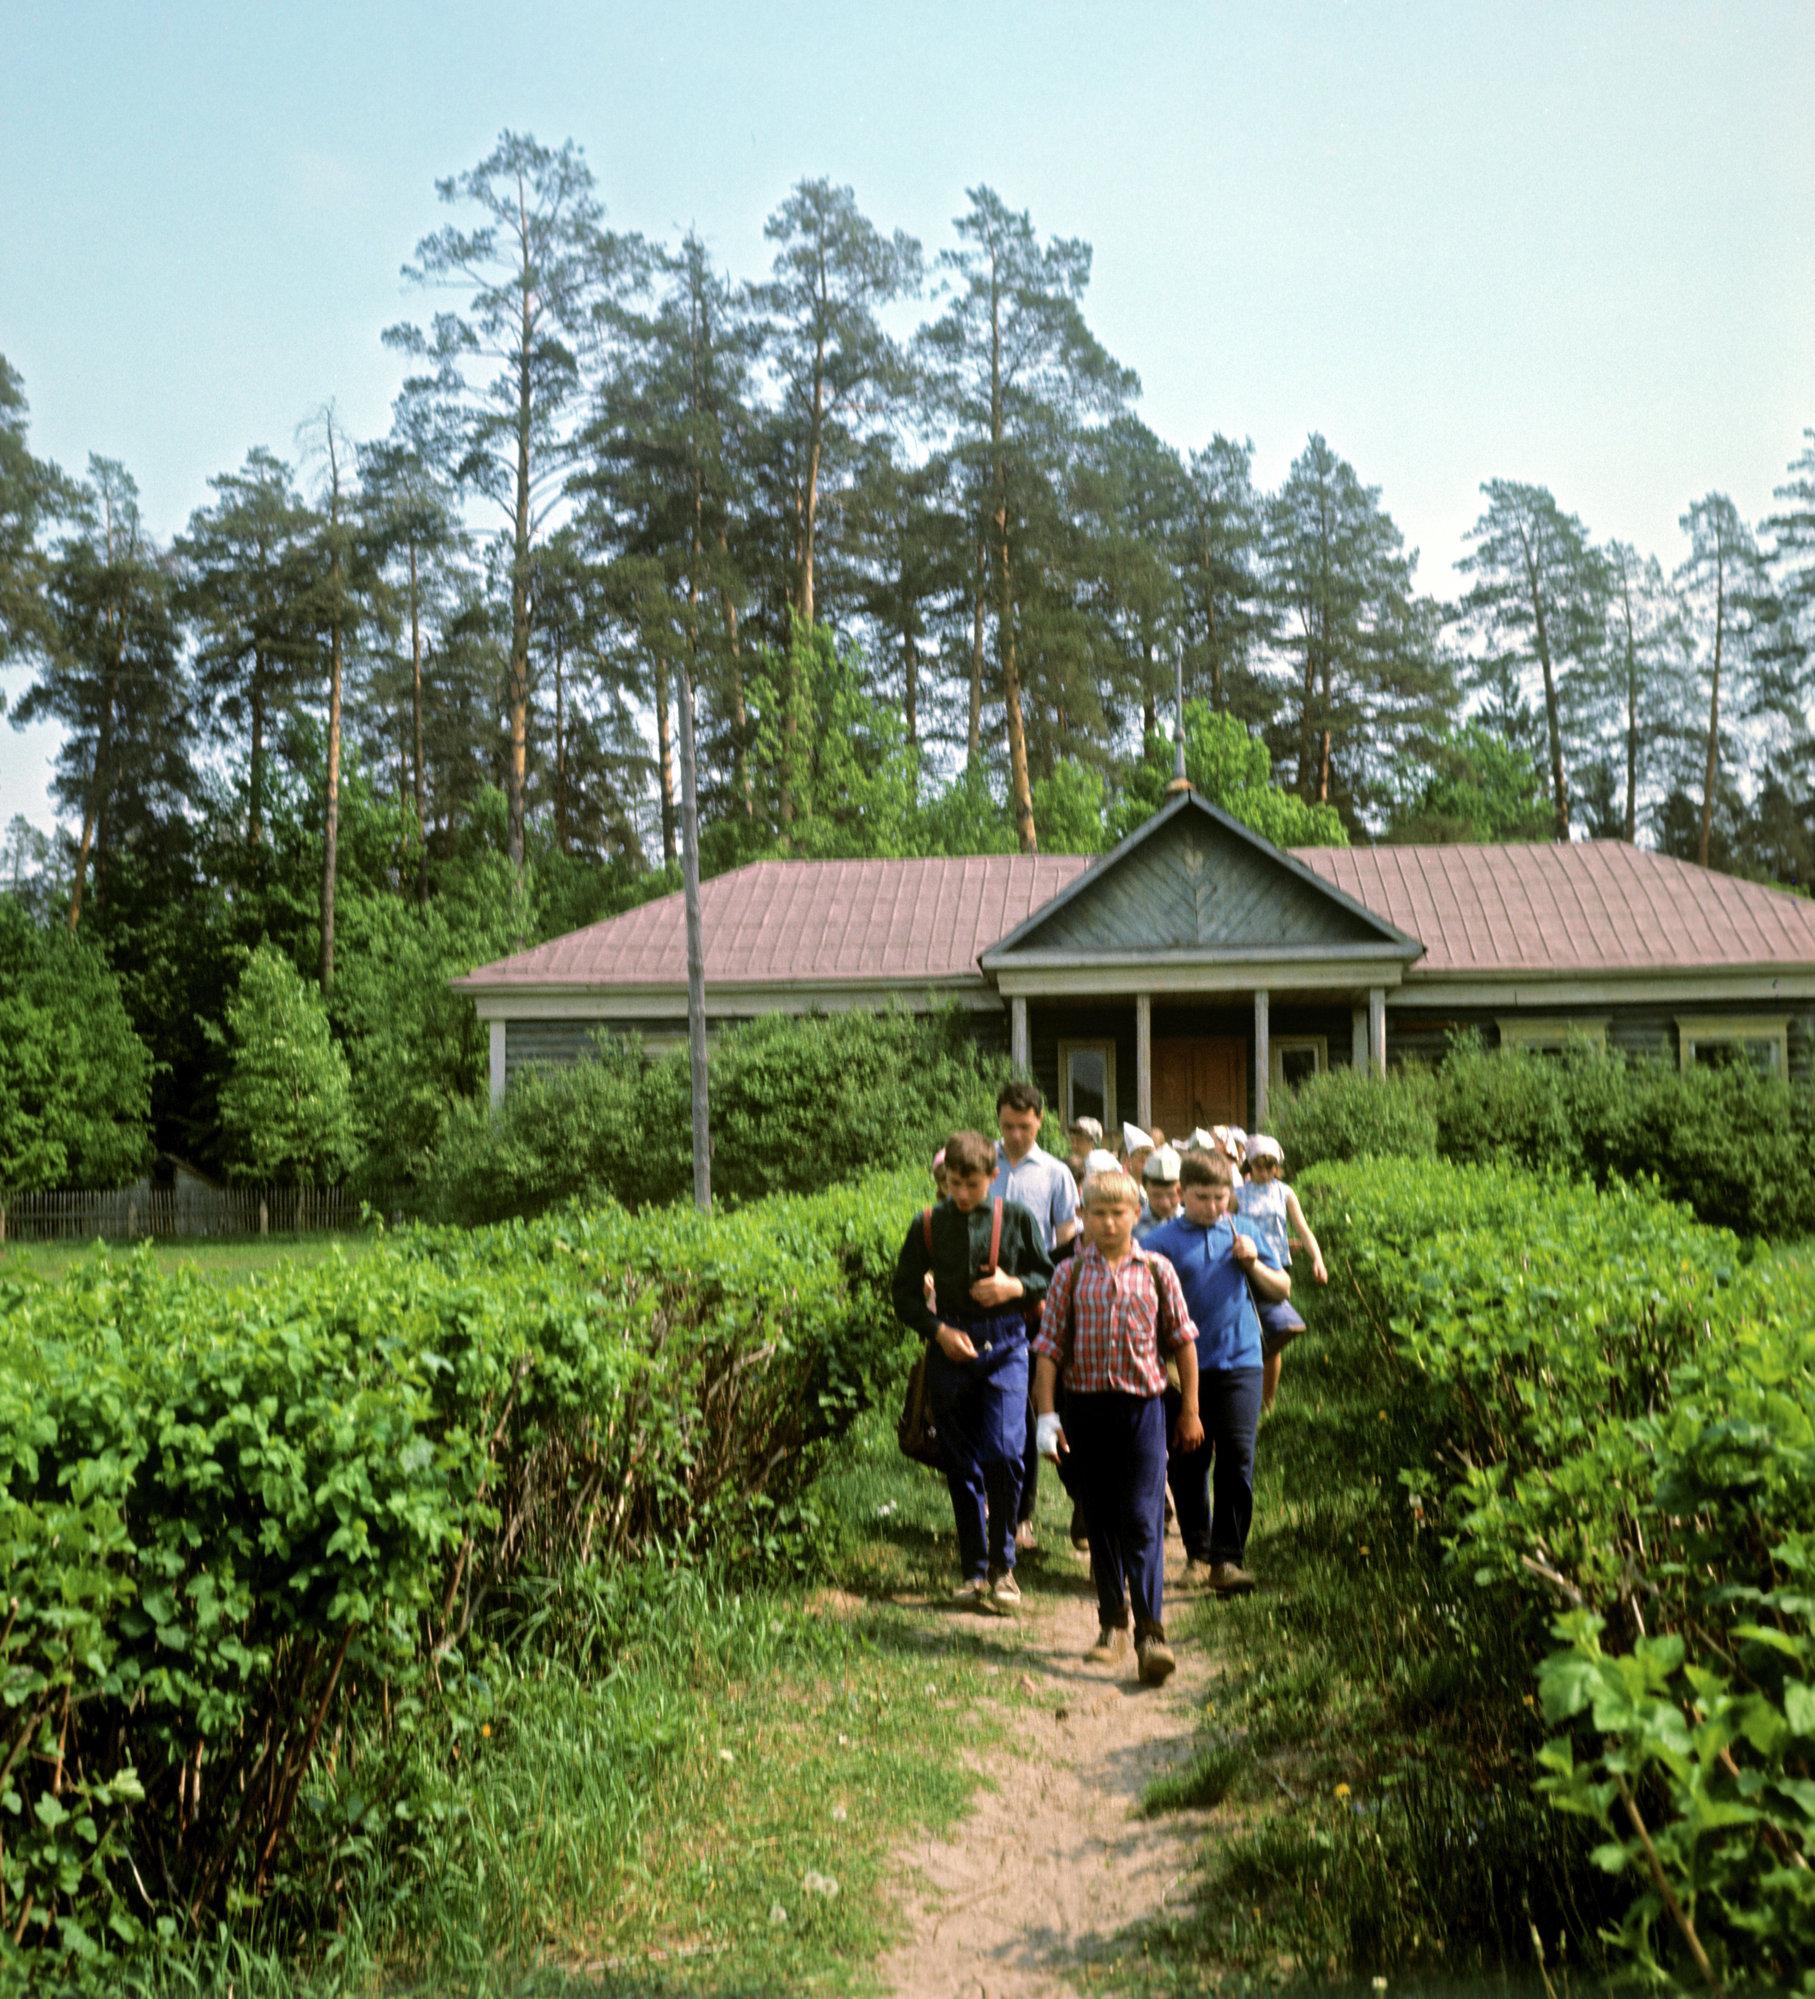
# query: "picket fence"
(126, 1214)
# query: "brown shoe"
(1196, 1576)
(1025, 1537)
(1230, 1579)
(1004, 1595)
(1154, 1659)
(1112, 1643)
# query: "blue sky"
(1570, 243)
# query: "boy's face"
(968, 1190)
(1205, 1204)
(1110, 1225)
(1162, 1198)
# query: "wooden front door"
(1199, 1080)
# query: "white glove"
(1047, 1431)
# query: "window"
(1299, 1057)
(1550, 1034)
(1721, 1041)
(1087, 1082)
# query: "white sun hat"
(1134, 1139)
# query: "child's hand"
(1188, 1431)
(1245, 1252)
(997, 1288)
(1319, 1271)
(954, 1343)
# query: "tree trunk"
(1711, 771)
(1020, 786)
(740, 713)
(516, 769)
(910, 685)
(418, 783)
(664, 743)
(973, 734)
(330, 835)
(560, 750)
(255, 774)
(1559, 787)
(1632, 716)
(810, 511)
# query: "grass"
(1377, 1818)
(656, 1799)
(225, 1262)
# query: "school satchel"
(916, 1432)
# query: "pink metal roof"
(1593, 906)
(796, 922)
(1597, 906)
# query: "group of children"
(1136, 1358)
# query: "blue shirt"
(1216, 1289)
(1043, 1185)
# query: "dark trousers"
(1118, 1473)
(1213, 1486)
(979, 1407)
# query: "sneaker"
(1154, 1660)
(1112, 1642)
(1025, 1537)
(972, 1593)
(1197, 1574)
(1005, 1595)
(1230, 1579)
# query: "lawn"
(227, 1262)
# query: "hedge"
(250, 1537)
(1735, 1145)
(1619, 1444)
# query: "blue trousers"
(1118, 1470)
(980, 1407)
(1213, 1486)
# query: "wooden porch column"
(1020, 1051)
(1358, 1037)
(1377, 1029)
(1263, 1056)
(1143, 1060)
(497, 1038)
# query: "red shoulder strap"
(926, 1229)
(995, 1233)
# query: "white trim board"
(1766, 986)
(723, 1002)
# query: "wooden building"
(1187, 974)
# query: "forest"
(389, 707)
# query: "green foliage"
(1232, 769)
(1613, 1420)
(75, 1080)
(1349, 1114)
(243, 1526)
(1068, 809)
(1477, 786)
(797, 1102)
(1734, 1144)
(286, 1105)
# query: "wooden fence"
(127, 1214)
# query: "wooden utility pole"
(696, 950)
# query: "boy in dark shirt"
(988, 1262)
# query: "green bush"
(253, 1538)
(1348, 1114)
(1616, 1445)
(797, 1103)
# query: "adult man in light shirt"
(1043, 1185)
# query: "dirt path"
(1051, 1863)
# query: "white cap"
(1134, 1139)
(1101, 1162)
(1260, 1146)
(1201, 1141)
(1162, 1165)
(1089, 1126)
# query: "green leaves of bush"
(254, 1534)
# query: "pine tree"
(32, 493)
(1719, 577)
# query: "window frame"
(1692, 1029)
(1319, 1045)
(1103, 1045)
(1550, 1033)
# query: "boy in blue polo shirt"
(1213, 1486)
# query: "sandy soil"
(1051, 1863)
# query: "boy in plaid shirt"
(1114, 1314)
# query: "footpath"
(1036, 1887)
